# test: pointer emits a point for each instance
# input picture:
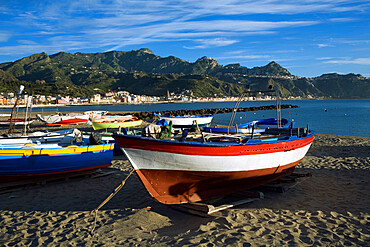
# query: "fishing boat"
(25, 161)
(188, 121)
(181, 171)
(95, 114)
(39, 137)
(63, 119)
(116, 122)
(192, 168)
(17, 121)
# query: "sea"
(338, 117)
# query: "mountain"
(142, 72)
(343, 86)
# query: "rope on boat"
(115, 191)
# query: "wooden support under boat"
(213, 206)
(210, 207)
(286, 183)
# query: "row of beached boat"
(43, 154)
(103, 120)
(98, 119)
(174, 164)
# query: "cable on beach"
(115, 191)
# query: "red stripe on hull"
(12, 178)
(175, 187)
(210, 150)
(68, 121)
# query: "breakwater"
(150, 115)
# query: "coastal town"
(119, 97)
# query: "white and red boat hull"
(188, 121)
(181, 172)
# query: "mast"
(278, 109)
(278, 105)
(234, 112)
(26, 115)
(21, 87)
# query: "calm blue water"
(340, 117)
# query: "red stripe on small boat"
(68, 121)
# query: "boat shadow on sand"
(71, 202)
(86, 192)
(342, 151)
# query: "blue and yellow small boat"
(30, 160)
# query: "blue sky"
(307, 37)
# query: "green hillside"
(142, 72)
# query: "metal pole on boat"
(234, 112)
(278, 108)
(25, 117)
(21, 87)
(252, 131)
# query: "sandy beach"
(331, 208)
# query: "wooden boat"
(63, 119)
(194, 168)
(39, 137)
(95, 114)
(188, 121)
(17, 121)
(116, 122)
(18, 162)
(181, 171)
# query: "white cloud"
(82, 24)
(4, 36)
(324, 45)
(359, 61)
(342, 19)
(246, 57)
(217, 42)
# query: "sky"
(307, 37)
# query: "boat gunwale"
(214, 144)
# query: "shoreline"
(331, 207)
(40, 126)
(161, 102)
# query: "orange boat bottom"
(176, 187)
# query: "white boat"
(65, 136)
(93, 115)
(188, 121)
(18, 121)
(63, 119)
